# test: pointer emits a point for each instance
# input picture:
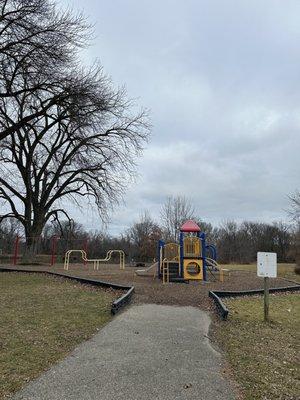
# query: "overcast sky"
(222, 81)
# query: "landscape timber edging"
(223, 310)
(116, 304)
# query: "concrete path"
(147, 352)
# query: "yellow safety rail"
(192, 246)
(171, 252)
(96, 261)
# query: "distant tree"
(228, 242)
(175, 211)
(208, 228)
(82, 137)
(9, 230)
(294, 213)
(282, 237)
(144, 235)
(239, 243)
(294, 210)
(65, 230)
(100, 242)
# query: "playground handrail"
(165, 271)
(213, 263)
(169, 248)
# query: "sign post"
(266, 299)
(266, 268)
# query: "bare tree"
(294, 211)
(80, 141)
(9, 229)
(144, 235)
(37, 43)
(174, 213)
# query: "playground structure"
(191, 259)
(96, 261)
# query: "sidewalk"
(147, 352)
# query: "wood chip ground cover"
(43, 318)
(149, 290)
(264, 357)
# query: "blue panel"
(213, 250)
(181, 253)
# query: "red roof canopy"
(190, 226)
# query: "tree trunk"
(32, 244)
(297, 250)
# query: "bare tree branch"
(68, 134)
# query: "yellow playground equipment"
(96, 261)
(191, 259)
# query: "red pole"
(53, 250)
(85, 248)
(16, 250)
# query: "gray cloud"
(222, 81)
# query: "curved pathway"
(147, 352)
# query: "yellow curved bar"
(109, 255)
(67, 257)
(95, 261)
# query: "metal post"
(161, 244)
(53, 249)
(266, 299)
(16, 250)
(85, 248)
(181, 250)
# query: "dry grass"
(41, 320)
(264, 356)
(284, 270)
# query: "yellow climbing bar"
(165, 271)
(96, 261)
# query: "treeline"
(235, 243)
(239, 243)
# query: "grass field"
(264, 357)
(283, 270)
(41, 320)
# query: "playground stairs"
(174, 273)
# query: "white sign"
(267, 264)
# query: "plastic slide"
(143, 272)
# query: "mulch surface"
(149, 290)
